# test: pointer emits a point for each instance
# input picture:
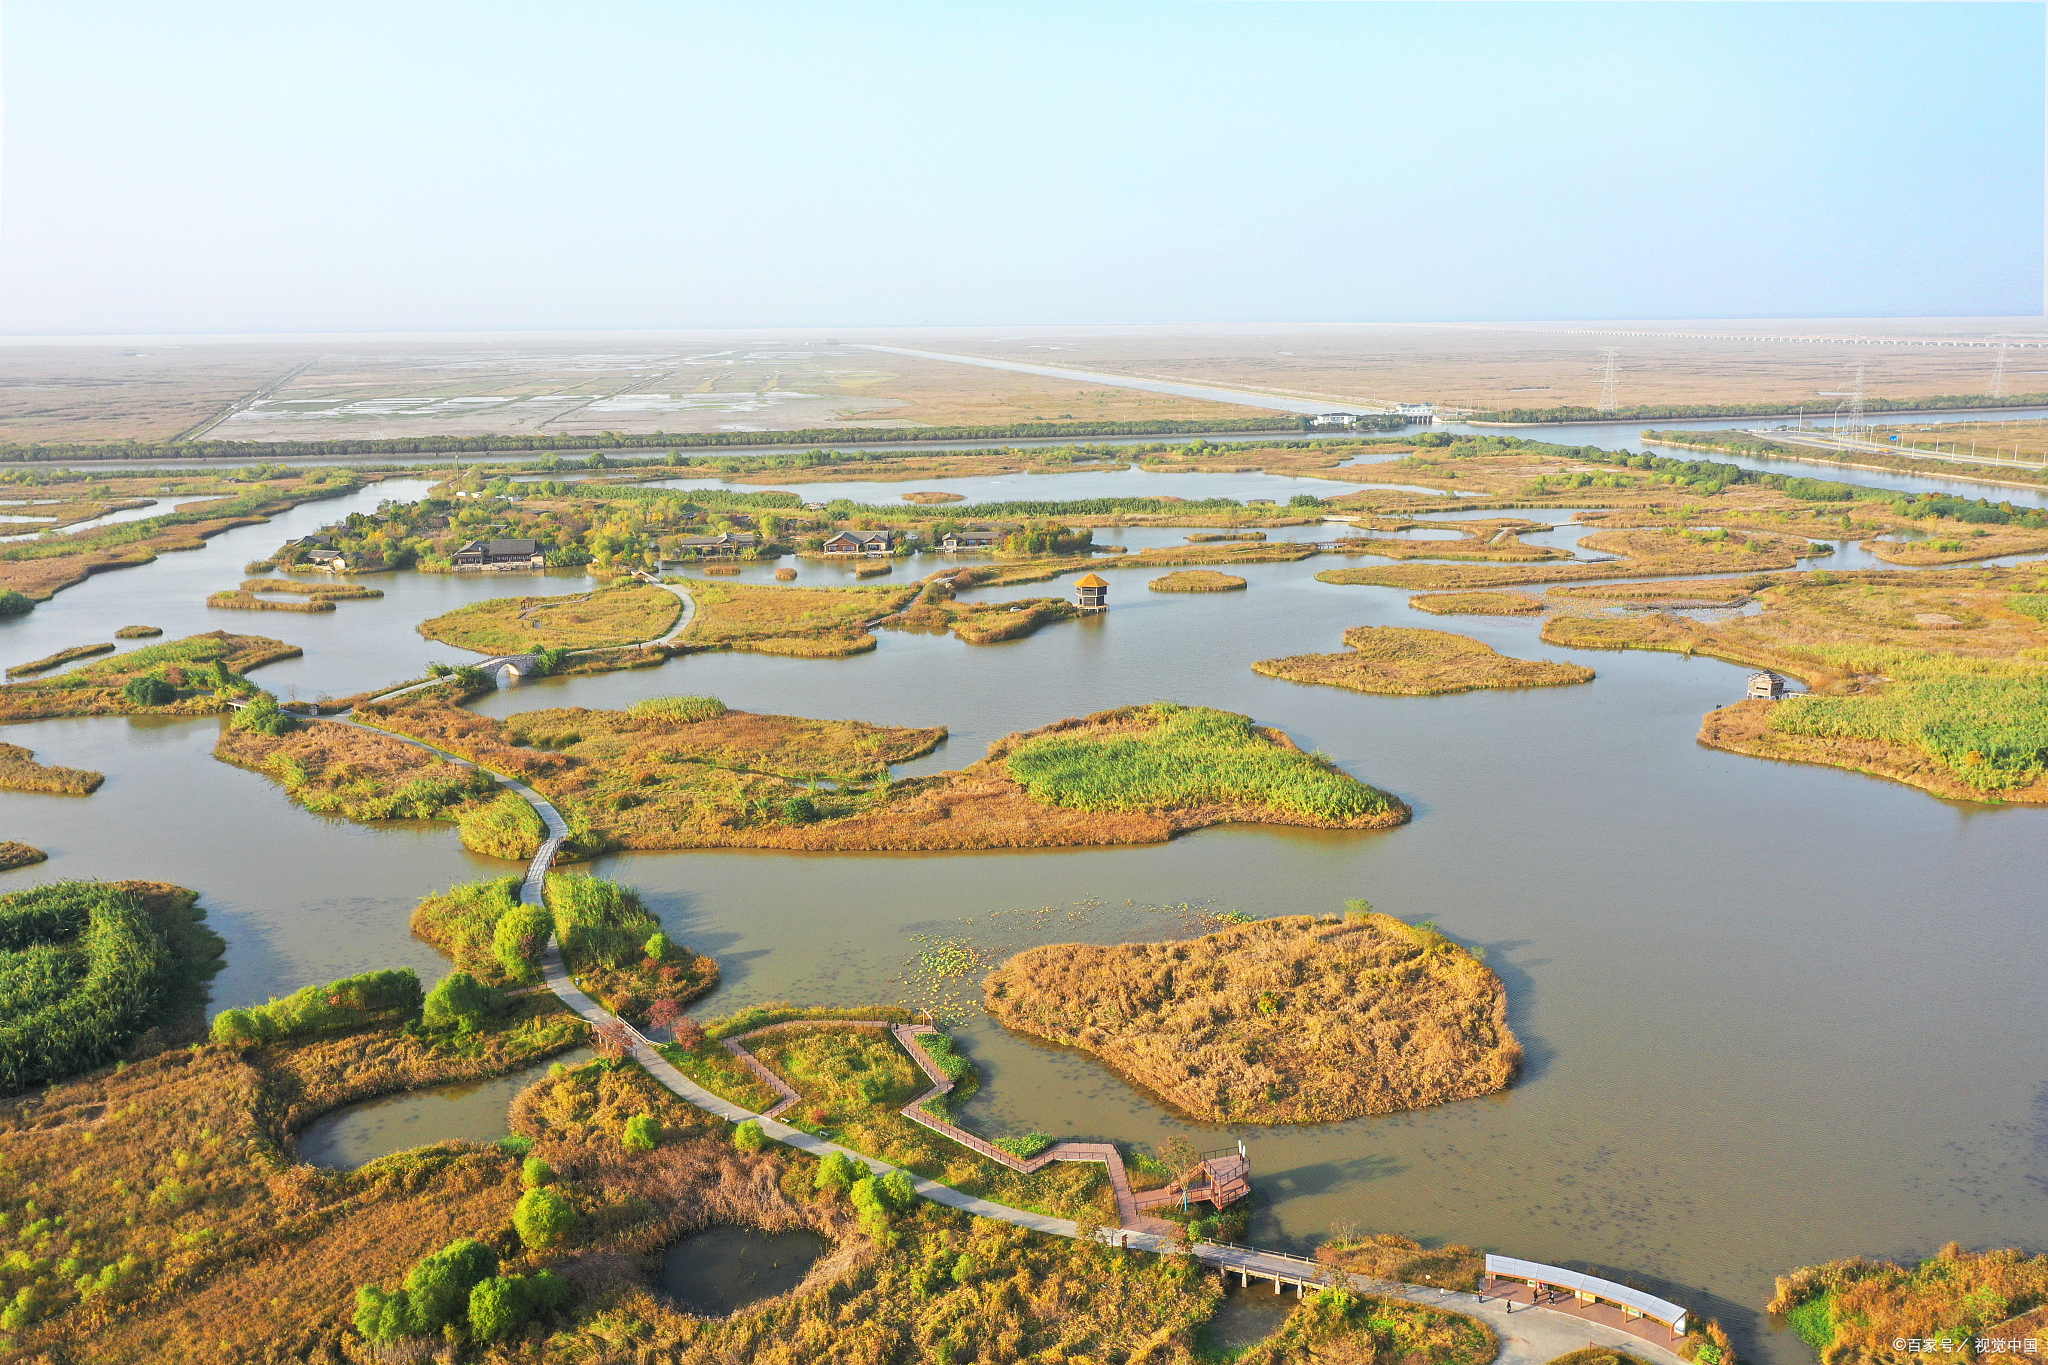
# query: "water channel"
(1738, 982)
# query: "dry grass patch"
(19, 772)
(1641, 552)
(137, 632)
(622, 615)
(1390, 1256)
(340, 592)
(1498, 540)
(1291, 1020)
(14, 853)
(1196, 580)
(814, 623)
(58, 660)
(1961, 546)
(978, 623)
(1851, 1311)
(163, 1215)
(248, 601)
(929, 498)
(1479, 604)
(355, 773)
(1933, 678)
(1400, 661)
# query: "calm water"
(470, 1110)
(1248, 1315)
(1736, 980)
(724, 1268)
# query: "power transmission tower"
(1608, 380)
(1849, 412)
(1998, 373)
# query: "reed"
(1196, 580)
(58, 660)
(1167, 755)
(137, 632)
(1400, 661)
(88, 966)
(19, 772)
(1289, 1020)
(1928, 678)
(14, 853)
(625, 614)
(815, 623)
(1850, 1311)
(241, 600)
(1479, 604)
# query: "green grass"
(463, 922)
(85, 966)
(2034, 604)
(1189, 756)
(1814, 1320)
(598, 922)
(1987, 720)
(683, 710)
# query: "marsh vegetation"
(1401, 661)
(1288, 1020)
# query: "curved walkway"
(1529, 1335)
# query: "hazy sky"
(276, 166)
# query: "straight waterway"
(1738, 982)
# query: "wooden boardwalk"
(1530, 1334)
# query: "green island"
(1287, 1020)
(19, 772)
(317, 597)
(627, 613)
(1406, 662)
(1930, 678)
(195, 676)
(1853, 1311)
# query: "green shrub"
(149, 690)
(543, 1218)
(520, 935)
(656, 946)
(643, 1133)
(748, 1136)
(260, 716)
(535, 1172)
(1025, 1147)
(838, 1171)
(371, 997)
(963, 1269)
(503, 828)
(597, 921)
(500, 1306)
(941, 1049)
(13, 603)
(440, 1284)
(460, 1001)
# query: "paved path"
(1246, 398)
(1529, 1335)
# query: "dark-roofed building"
(954, 541)
(860, 542)
(502, 554)
(724, 545)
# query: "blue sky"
(370, 167)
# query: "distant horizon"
(1963, 322)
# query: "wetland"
(1579, 834)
